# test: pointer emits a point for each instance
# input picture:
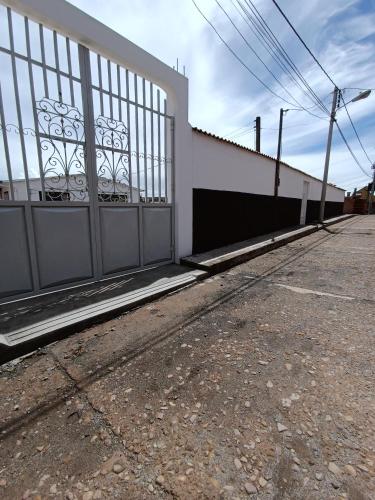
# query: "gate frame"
(70, 21)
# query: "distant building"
(72, 188)
(364, 193)
(357, 202)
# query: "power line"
(281, 51)
(241, 134)
(238, 58)
(260, 59)
(303, 42)
(290, 126)
(331, 80)
(273, 40)
(351, 151)
(255, 53)
(266, 44)
(234, 131)
(268, 37)
(356, 133)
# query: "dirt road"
(258, 382)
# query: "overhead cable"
(266, 30)
(303, 42)
(351, 151)
(356, 133)
(238, 57)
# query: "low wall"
(233, 194)
(224, 217)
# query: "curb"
(86, 316)
(227, 260)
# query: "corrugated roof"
(244, 148)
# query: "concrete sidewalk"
(28, 323)
(226, 257)
(257, 381)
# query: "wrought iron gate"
(86, 164)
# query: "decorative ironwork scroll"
(62, 143)
(112, 159)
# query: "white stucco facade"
(74, 188)
(222, 166)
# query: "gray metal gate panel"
(15, 271)
(119, 238)
(157, 229)
(62, 240)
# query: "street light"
(361, 95)
(335, 107)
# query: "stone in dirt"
(262, 482)
(117, 468)
(281, 427)
(116, 459)
(286, 402)
(250, 488)
(350, 470)
(237, 463)
(335, 469)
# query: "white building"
(72, 188)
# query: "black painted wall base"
(331, 209)
(224, 217)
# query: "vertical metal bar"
(144, 135)
(159, 145)
(173, 187)
(100, 85)
(119, 93)
(141, 235)
(90, 157)
(165, 153)
(57, 62)
(137, 134)
(152, 140)
(18, 104)
(129, 135)
(71, 85)
(35, 114)
(43, 53)
(110, 89)
(6, 146)
(33, 259)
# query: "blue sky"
(225, 97)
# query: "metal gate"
(86, 164)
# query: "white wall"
(60, 184)
(291, 185)
(222, 166)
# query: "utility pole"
(328, 154)
(371, 192)
(257, 134)
(277, 170)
